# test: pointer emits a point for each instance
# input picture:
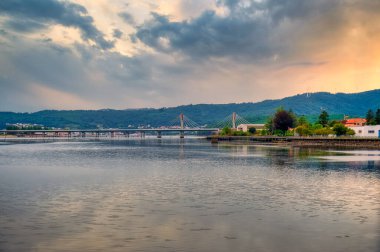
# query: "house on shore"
(246, 127)
(366, 131)
(353, 122)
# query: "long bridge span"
(111, 132)
(182, 124)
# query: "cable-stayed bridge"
(180, 124)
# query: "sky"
(98, 54)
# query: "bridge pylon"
(182, 125)
(234, 120)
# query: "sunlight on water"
(172, 195)
(354, 156)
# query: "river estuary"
(186, 195)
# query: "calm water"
(168, 195)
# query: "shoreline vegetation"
(325, 142)
(287, 123)
(285, 128)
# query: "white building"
(245, 127)
(367, 131)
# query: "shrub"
(252, 130)
(303, 130)
(226, 131)
(350, 132)
(239, 133)
(264, 132)
(323, 132)
(289, 133)
(341, 130)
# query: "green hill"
(339, 104)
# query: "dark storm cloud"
(250, 29)
(207, 35)
(32, 14)
(22, 25)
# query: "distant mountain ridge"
(355, 104)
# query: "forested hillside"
(304, 104)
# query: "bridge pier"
(181, 134)
(142, 134)
(159, 135)
(83, 134)
(112, 134)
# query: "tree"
(252, 130)
(370, 117)
(316, 126)
(302, 121)
(341, 130)
(324, 118)
(269, 125)
(226, 131)
(303, 130)
(264, 132)
(283, 120)
(11, 127)
(377, 117)
(333, 122)
(350, 132)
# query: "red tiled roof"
(354, 122)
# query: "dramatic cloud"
(32, 14)
(94, 54)
(42, 74)
(255, 29)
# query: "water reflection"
(185, 195)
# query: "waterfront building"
(246, 127)
(367, 131)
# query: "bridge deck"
(111, 130)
